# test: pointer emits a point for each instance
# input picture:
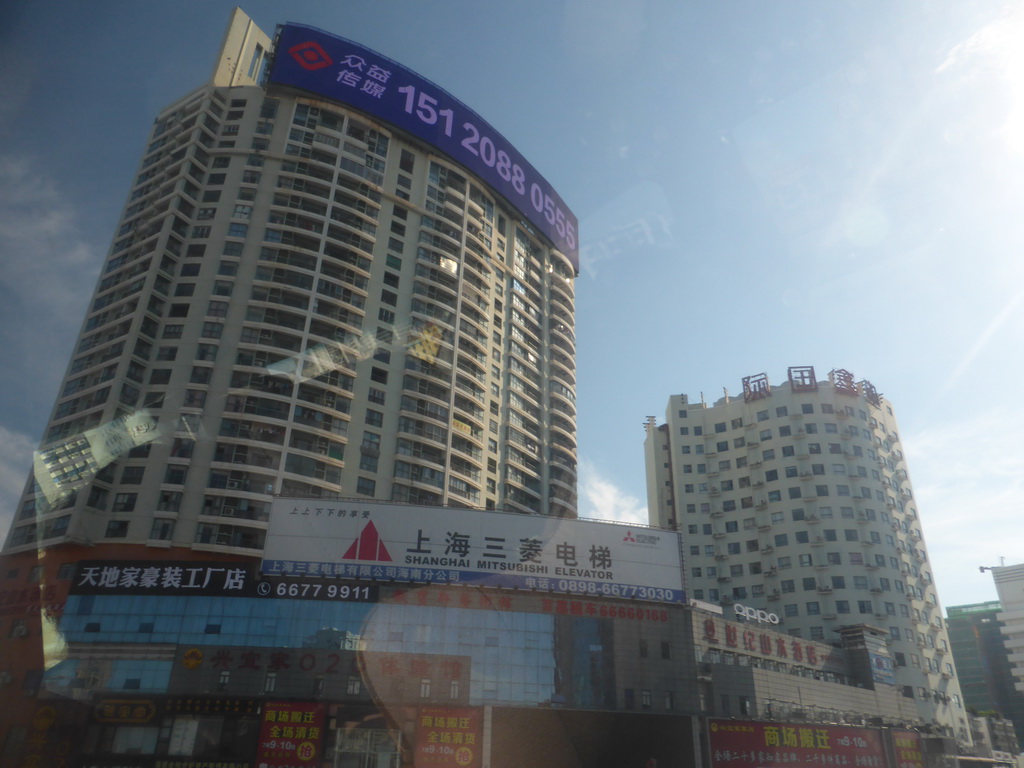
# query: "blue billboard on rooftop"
(348, 73)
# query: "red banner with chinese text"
(449, 737)
(291, 734)
(907, 746)
(752, 744)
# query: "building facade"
(1009, 581)
(795, 499)
(304, 298)
(982, 662)
(177, 665)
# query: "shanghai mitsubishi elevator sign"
(348, 73)
(384, 542)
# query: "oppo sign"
(756, 614)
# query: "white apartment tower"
(795, 499)
(1009, 580)
(307, 299)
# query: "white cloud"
(45, 258)
(15, 463)
(601, 499)
(968, 478)
(995, 49)
(48, 272)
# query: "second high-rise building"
(330, 279)
(795, 500)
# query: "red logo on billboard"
(368, 546)
(310, 55)
(629, 537)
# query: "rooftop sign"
(346, 72)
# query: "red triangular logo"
(368, 546)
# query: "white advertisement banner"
(403, 543)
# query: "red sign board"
(907, 745)
(448, 737)
(752, 744)
(291, 734)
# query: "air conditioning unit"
(6, 678)
(234, 485)
(228, 511)
(20, 632)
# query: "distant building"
(1009, 582)
(796, 499)
(982, 661)
(994, 737)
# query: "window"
(124, 502)
(175, 474)
(132, 475)
(238, 230)
(118, 529)
(162, 529)
(367, 487)
(206, 352)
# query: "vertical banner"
(450, 737)
(906, 747)
(291, 735)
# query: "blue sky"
(758, 185)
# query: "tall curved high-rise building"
(795, 499)
(330, 279)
